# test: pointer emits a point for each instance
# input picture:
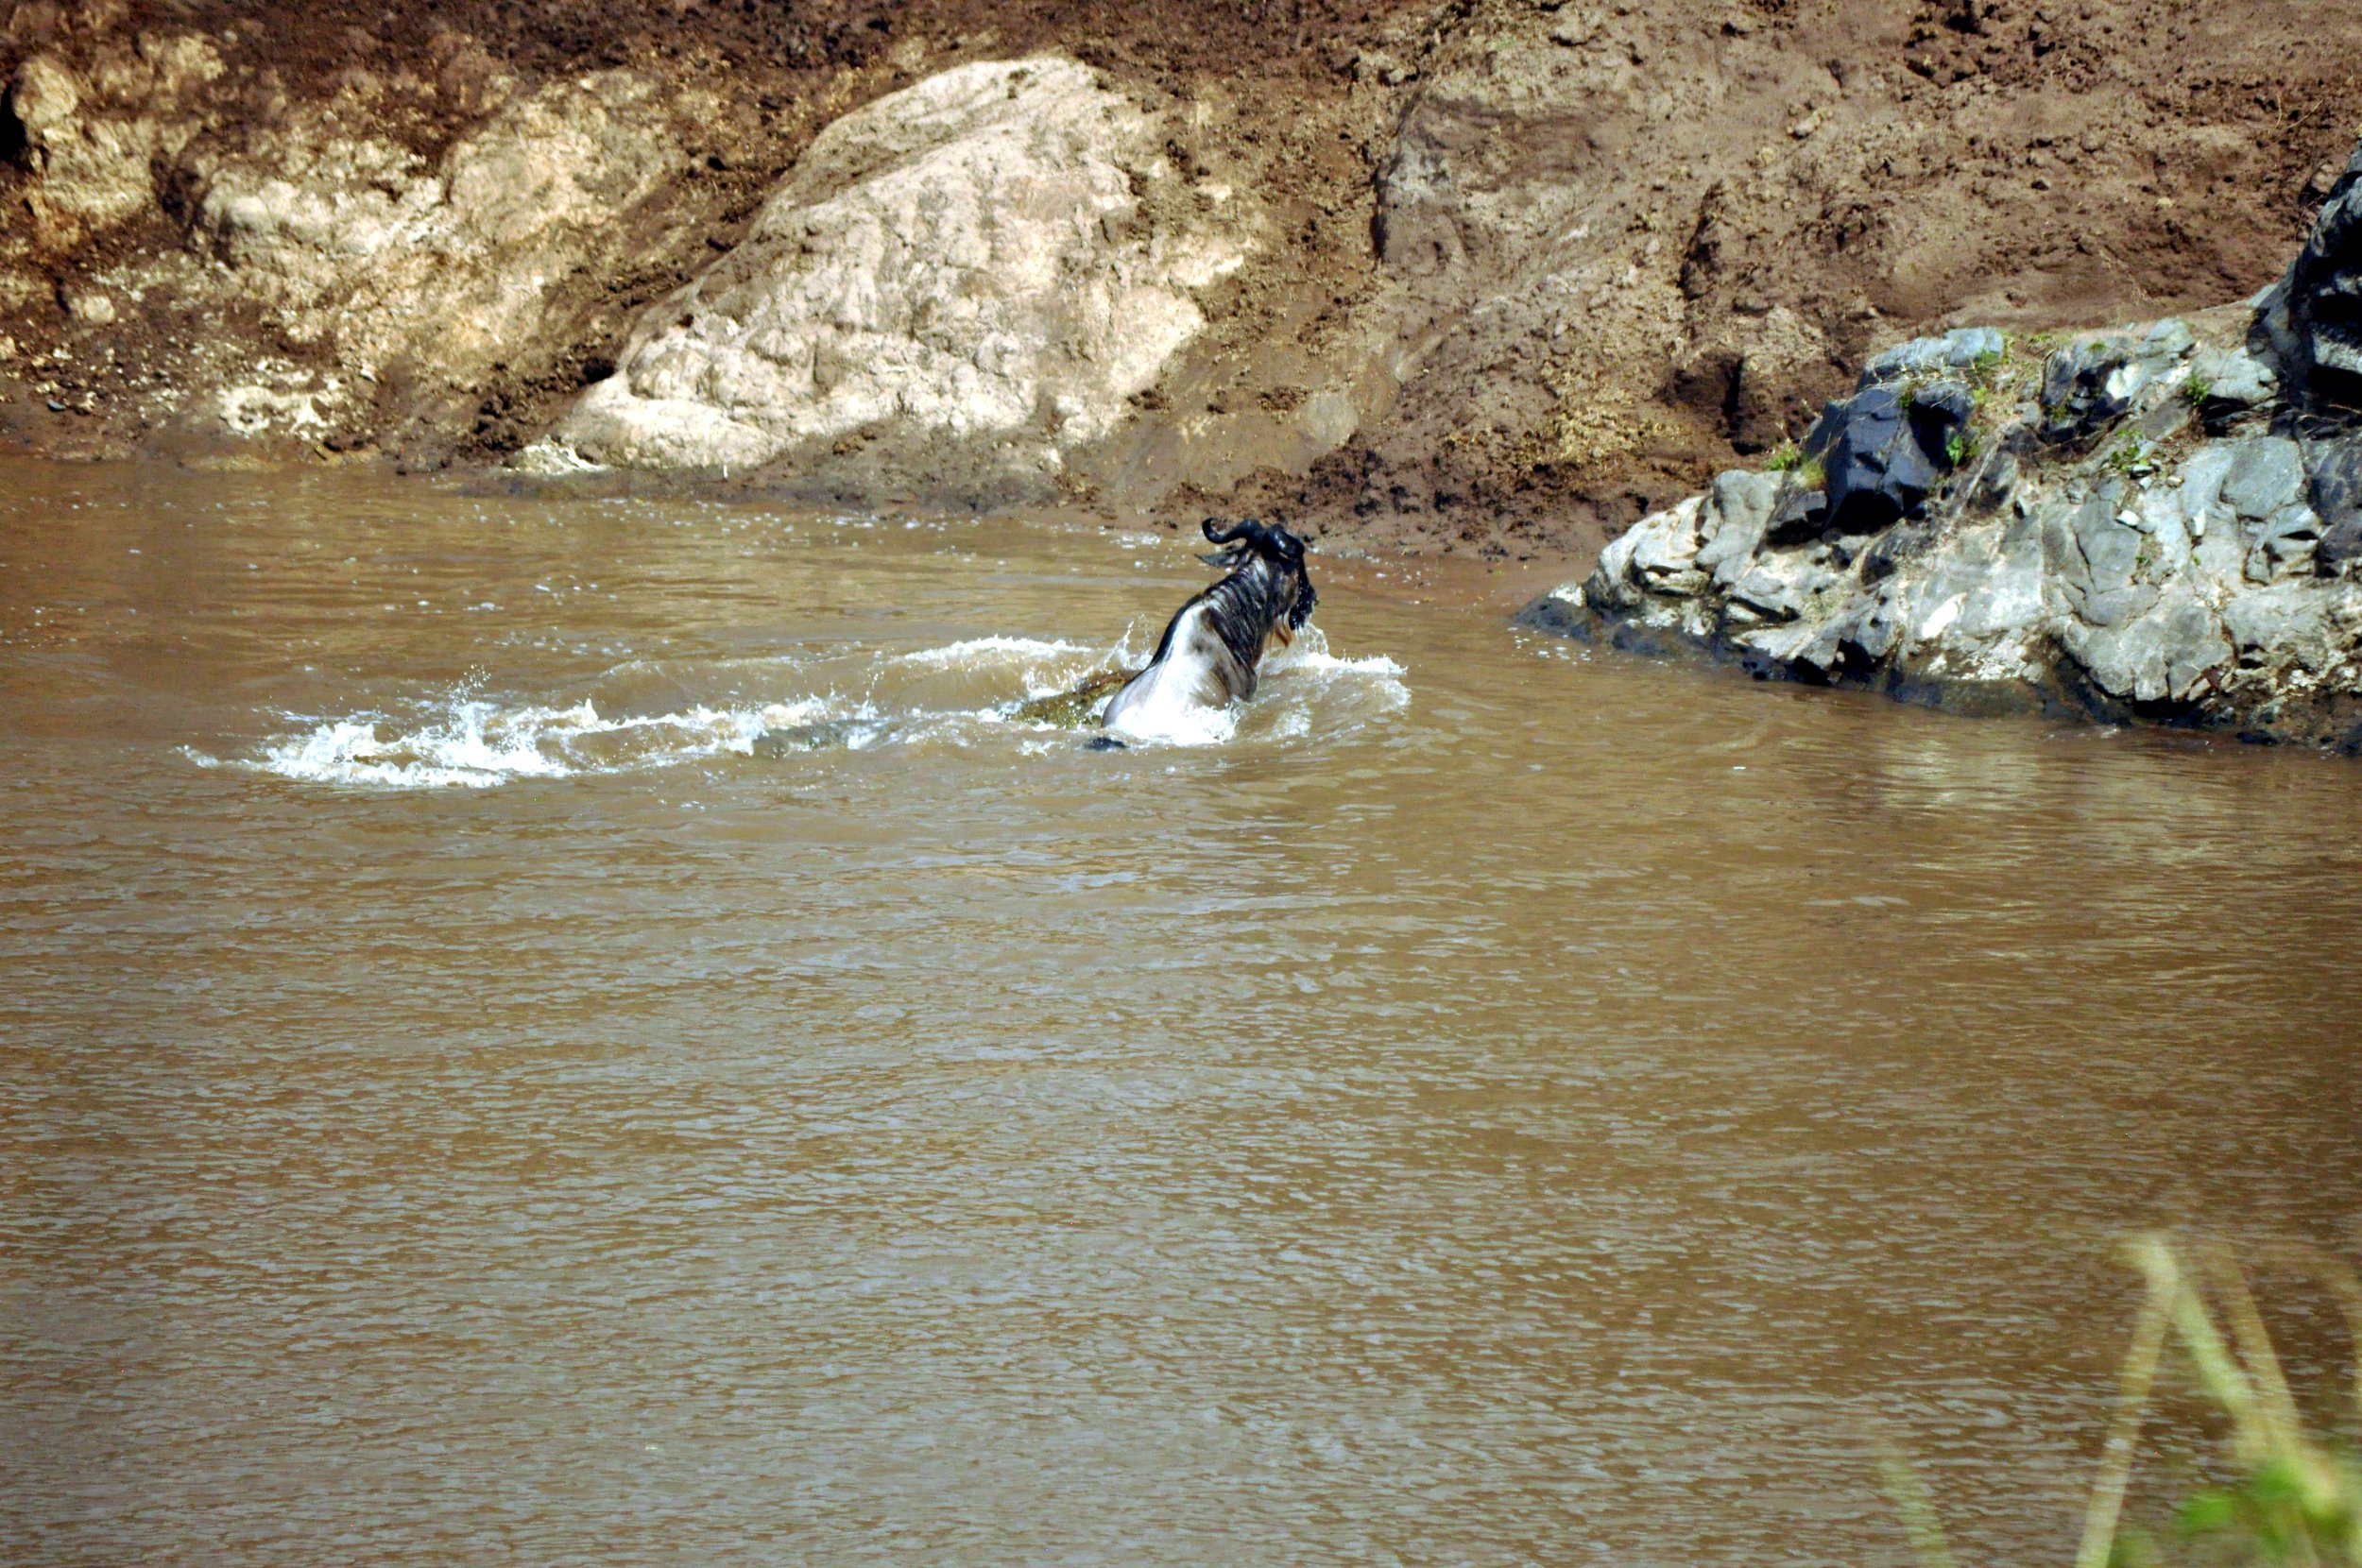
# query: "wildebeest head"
(1280, 555)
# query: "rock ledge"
(2160, 523)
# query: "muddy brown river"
(582, 1033)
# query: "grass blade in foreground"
(2298, 1499)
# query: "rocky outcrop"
(959, 286)
(2155, 523)
(358, 243)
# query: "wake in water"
(649, 714)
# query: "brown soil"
(1568, 258)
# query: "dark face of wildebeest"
(1215, 644)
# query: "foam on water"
(473, 742)
(977, 650)
(1047, 665)
(464, 738)
(1317, 691)
(1310, 653)
(1171, 724)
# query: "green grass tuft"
(2296, 1497)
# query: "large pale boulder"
(91, 140)
(972, 276)
(448, 266)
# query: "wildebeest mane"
(1242, 610)
(1265, 593)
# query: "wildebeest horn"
(1223, 535)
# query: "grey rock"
(1800, 515)
(2232, 381)
(2062, 555)
(1957, 349)
(2085, 386)
(1777, 646)
(1609, 594)
(2117, 605)
(1891, 551)
(1665, 556)
(2220, 555)
(1872, 630)
(2006, 598)
(1994, 481)
(2165, 342)
(2212, 584)
(2201, 485)
(2111, 551)
(2167, 551)
(2265, 474)
(2191, 642)
(2090, 384)
(1769, 595)
(1656, 556)
(2337, 475)
(1740, 511)
(2285, 542)
(1779, 586)
(1823, 653)
(2287, 622)
(2158, 655)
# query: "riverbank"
(1501, 277)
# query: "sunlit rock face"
(958, 285)
(448, 266)
(334, 233)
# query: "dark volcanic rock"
(1883, 453)
(2336, 474)
(2311, 320)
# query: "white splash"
(1175, 724)
(1310, 653)
(474, 742)
(984, 650)
(1304, 689)
(1047, 666)
(465, 740)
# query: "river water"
(462, 1099)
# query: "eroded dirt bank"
(1491, 276)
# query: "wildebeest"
(1213, 644)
